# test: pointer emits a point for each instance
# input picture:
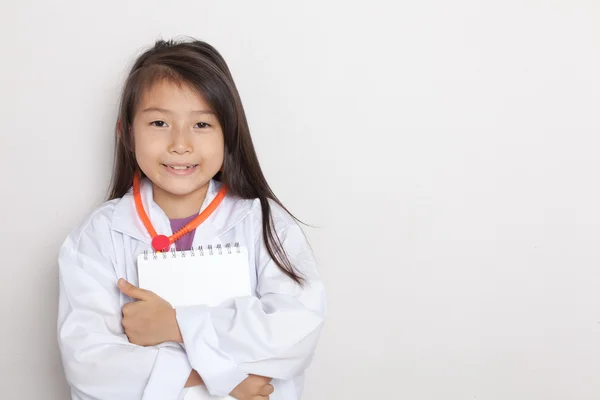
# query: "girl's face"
(178, 140)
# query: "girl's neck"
(179, 206)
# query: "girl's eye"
(159, 124)
(202, 125)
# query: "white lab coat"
(273, 333)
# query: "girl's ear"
(119, 131)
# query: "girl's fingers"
(267, 390)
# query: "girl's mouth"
(181, 169)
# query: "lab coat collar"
(230, 212)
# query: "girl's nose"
(180, 141)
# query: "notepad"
(206, 275)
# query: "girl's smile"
(181, 169)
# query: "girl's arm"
(272, 335)
(194, 379)
(99, 361)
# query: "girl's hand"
(194, 379)
(150, 320)
(254, 387)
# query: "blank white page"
(206, 277)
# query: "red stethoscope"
(163, 242)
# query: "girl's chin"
(182, 188)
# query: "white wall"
(451, 148)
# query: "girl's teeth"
(179, 167)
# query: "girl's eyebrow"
(164, 110)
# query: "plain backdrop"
(446, 151)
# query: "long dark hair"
(200, 66)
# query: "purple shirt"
(185, 243)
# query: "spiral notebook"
(206, 275)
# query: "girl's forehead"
(166, 93)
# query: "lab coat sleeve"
(98, 360)
(273, 334)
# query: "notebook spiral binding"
(200, 251)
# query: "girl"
(184, 145)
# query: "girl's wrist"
(175, 331)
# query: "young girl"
(184, 148)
